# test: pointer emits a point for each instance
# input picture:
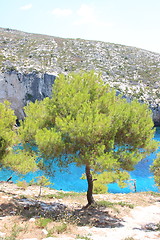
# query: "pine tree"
(86, 123)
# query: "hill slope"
(133, 71)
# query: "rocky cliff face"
(20, 88)
(156, 115)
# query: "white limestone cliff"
(19, 89)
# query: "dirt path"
(133, 225)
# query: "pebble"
(45, 231)
(32, 220)
(152, 227)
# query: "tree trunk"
(90, 186)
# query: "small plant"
(61, 195)
(22, 184)
(82, 237)
(51, 232)
(67, 194)
(58, 229)
(43, 222)
(110, 204)
(124, 204)
(41, 181)
(155, 194)
(104, 203)
(61, 228)
(14, 233)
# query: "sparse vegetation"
(61, 195)
(42, 222)
(71, 221)
(111, 204)
(61, 228)
(83, 237)
(14, 233)
(22, 184)
(118, 63)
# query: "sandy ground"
(120, 223)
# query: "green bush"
(61, 228)
(42, 222)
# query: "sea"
(142, 179)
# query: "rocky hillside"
(135, 72)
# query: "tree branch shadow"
(28, 208)
(97, 217)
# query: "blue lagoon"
(70, 180)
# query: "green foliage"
(66, 194)
(87, 122)
(57, 229)
(124, 204)
(7, 133)
(42, 222)
(83, 237)
(106, 177)
(104, 203)
(61, 195)
(61, 228)
(37, 118)
(14, 158)
(16, 230)
(43, 181)
(20, 161)
(22, 184)
(156, 170)
(155, 194)
(99, 188)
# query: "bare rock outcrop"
(156, 115)
(19, 89)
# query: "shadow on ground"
(28, 208)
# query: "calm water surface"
(70, 180)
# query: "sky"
(129, 22)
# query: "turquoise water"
(70, 180)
